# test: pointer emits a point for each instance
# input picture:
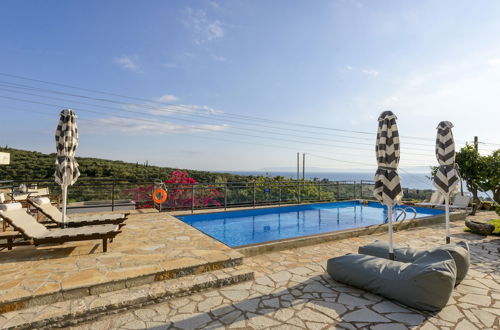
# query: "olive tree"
(471, 166)
(491, 174)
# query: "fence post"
(225, 196)
(192, 198)
(254, 194)
(338, 190)
(113, 196)
(299, 191)
(279, 198)
(319, 190)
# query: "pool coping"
(297, 242)
(181, 213)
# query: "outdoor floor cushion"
(425, 284)
(44, 205)
(37, 233)
(459, 252)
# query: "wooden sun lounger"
(53, 214)
(37, 233)
(12, 238)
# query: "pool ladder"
(403, 212)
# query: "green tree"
(491, 174)
(471, 166)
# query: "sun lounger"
(459, 202)
(12, 238)
(52, 213)
(37, 233)
(459, 252)
(425, 284)
(436, 199)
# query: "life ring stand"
(163, 196)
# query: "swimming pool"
(237, 228)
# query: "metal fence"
(97, 192)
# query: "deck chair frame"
(90, 222)
(63, 239)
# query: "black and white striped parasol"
(67, 171)
(387, 182)
(446, 179)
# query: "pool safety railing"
(111, 194)
(403, 212)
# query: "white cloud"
(218, 58)
(463, 91)
(371, 72)
(132, 126)
(153, 108)
(170, 65)
(167, 98)
(349, 67)
(214, 4)
(128, 63)
(494, 61)
(215, 30)
(201, 26)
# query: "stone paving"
(151, 247)
(292, 291)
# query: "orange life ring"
(163, 196)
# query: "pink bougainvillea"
(180, 193)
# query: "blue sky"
(198, 69)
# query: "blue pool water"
(237, 228)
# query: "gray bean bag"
(425, 284)
(459, 252)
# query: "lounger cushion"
(24, 223)
(98, 217)
(425, 284)
(80, 231)
(55, 215)
(41, 200)
(10, 207)
(459, 252)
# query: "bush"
(496, 223)
(488, 206)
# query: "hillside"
(33, 165)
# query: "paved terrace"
(151, 247)
(292, 291)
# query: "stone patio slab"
(152, 247)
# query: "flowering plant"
(182, 193)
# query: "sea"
(408, 180)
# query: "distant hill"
(34, 165)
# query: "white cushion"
(41, 200)
(10, 207)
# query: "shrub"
(180, 196)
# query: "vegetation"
(103, 179)
(496, 223)
(480, 173)
(490, 169)
(470, 164)
(33, 165)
